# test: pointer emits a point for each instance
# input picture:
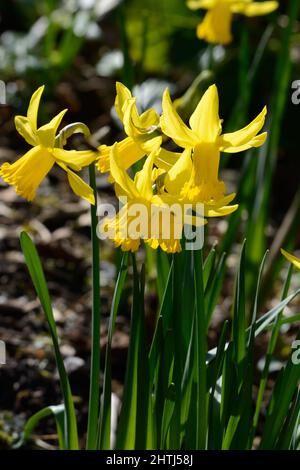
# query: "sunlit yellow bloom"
(28, 172)
(137, 220)
(143, 135)
(186, 185)
(291, 258)
(195, 174)
(216, 26)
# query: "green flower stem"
(174, 434)
(200, 354)
(94, 394)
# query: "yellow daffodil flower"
(186, 185)
(143, 135)
(216, 26)
(139, 196)
(27, 173)
(291, 258)
(194, 177)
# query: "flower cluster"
(188, 179)
(173, 189)
(216, 25)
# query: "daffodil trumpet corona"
(216, 25)
(27, 173)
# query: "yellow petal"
(119, 191)
(25, 130)
(205, 121)
(262, 8)
(76, 159)
(173, 126)
(33, 107)
(128, 244)
(164, 199)
(216, 26)
(103, 160)
(116, 229)
(165, 229)
(149, 118)
(135, 123)
(244, 138)
(221, 211)
(165, 159)
(143, 132)
(131, 120)
(149, 142)
(143, 178)
(46, 134)
(257, 141)
(179, 174)
(157, 173)
(79, 187)
(123, 95)
(169, 246)
(224, 201)
(27, 173)
(128, 153)
(120, 176)
(291, 258)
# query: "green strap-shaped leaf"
(105, 416)
(37, 275)
(135, 404)
(281, 401)
(58, 412)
